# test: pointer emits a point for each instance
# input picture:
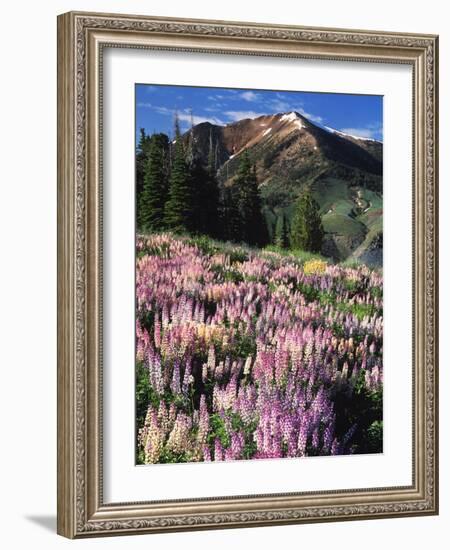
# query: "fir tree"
(230, 227)
(205, 200)
(142, 151)
(306, 229)
(177, 212)
(154, 193)
(210, 196)
(190, 149)
(282, 231)
(212, 168)
(253, 227)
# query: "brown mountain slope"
(289, 151)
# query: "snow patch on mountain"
(334, 131)
(267, 131)
(289, 117)
(294, 118)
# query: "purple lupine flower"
(218, 450)
(284, 389)
(328, 436)
(175, 385)
(206, 453)
(303, 434)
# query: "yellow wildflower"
(314, 267)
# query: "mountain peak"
(290, 116)
(290, 151)
(294, 118)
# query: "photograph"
(259, 274)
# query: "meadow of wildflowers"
(248, 354)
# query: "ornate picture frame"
(82, 38)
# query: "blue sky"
(359, 115)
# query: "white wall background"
(28, 272)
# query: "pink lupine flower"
(187, 377)
(281, 385)
(303, 435)
(206, 453)
(218, 450)
(328, 436)
(157, 333)
(175, 385)
(179, 436)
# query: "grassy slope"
(352, 217)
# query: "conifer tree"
(142, 151)
(154, 193)
(212, 168)
(177, 214)
(205, 200)
(306, 228)
(253, 227)
(230, 226)
(282, 231)
(210, 196)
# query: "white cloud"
(311, 116)
(275, 106)
(280, 106)
(239, 115)
(249, 96)
(156, 108)
(198, 119)
(183, 116)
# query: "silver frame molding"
(81, 39)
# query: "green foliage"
(250, 447)
(230, 220)
(376, 292)
(306, 229)
(154, 193)
(310, 293)
(178, 206)
(167, 456)
(141, 158)
(219, 430)
(227, 274)
(252, 224)
(364, 408)
(144, 396)
(358, 310)
(204, 200)
(174, 190)
(282, 231)
(244, 344)
(204, 244)
(353, 263)
(301, 255)
(237, 255)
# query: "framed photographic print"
(247, 288)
